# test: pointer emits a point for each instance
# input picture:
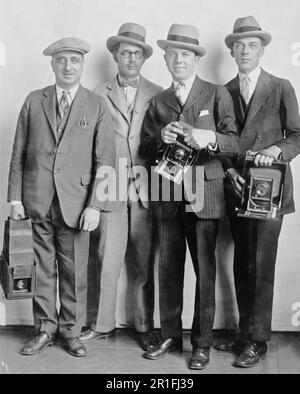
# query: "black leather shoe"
(200, 358)
(164, 346)
(147, 340)
(38, 344)
(74, 347)
(90, 334)
(251, 355)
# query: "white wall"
(28, 26)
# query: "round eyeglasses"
(127, 54)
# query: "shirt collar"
(72, 92)
(253, 75)
(188, 83)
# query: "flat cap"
(67, 44)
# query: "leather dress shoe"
(251, 355)
(90, 334)
(147, 340)
(74, 347)
(164, 346)
(200, 358)
(38, 344)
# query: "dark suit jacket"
(40, 165)
(207, 107)
(273, 119)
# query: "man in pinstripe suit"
(208, 109)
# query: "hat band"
(134, 36)
(246, 29)
(187, 40)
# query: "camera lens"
(262, 189)
(179, 154)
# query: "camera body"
(177, 158)
(17, 268)
(263, 189)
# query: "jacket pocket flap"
(214, 173)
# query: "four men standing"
(65, 133)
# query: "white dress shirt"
(252, 80)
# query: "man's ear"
(262, 52)
(52, 64)
(231, 53)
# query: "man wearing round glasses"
(128, 232)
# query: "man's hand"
(200, 138)
(89, 219)
(170, 132)
(265, 157)
(17, 212)
(236, 180)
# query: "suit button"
(59, 130)
(181, 117)
(52, 153)
(56, 171)
(259, 137)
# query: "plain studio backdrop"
(27, 27)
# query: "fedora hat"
(130, 33)
(247, 27)
(183, 36)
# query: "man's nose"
(245, 49)
(68, 65)
(178, 58)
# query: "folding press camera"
(17, 268)
(263, 189)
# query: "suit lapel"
(143, 95)
(49, 105)
(117, 98)
(234, 89)
(76, 110)
(170, 100)
(262, 91)
(197, 93)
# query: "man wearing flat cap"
(63, 137)
(268, 123)
(208, 111)
(127, 233)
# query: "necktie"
(245, 91)
(177, 92)
(64, 104)
(125, 83)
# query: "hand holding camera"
(17, 212)
(265, 157)
(170, 133)
(200, 138)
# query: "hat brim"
(231, 38)
(113, 41)
(163, 44)
(49, 52)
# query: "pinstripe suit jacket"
(209, 107)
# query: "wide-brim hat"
(68, 44)
(247, 27)
(131, 33)
(183, 36)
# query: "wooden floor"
(121, 355)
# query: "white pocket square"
(204, 112)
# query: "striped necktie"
(64, 104)
(177, 91)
